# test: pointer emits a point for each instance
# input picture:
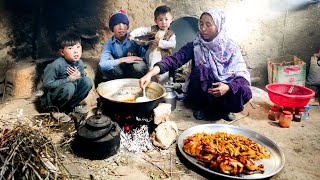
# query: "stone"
(161, 113)
(22, 77)
(165, 134)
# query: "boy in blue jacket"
(120, 57)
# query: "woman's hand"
(144, 81)
(73, 73)
(218, 89)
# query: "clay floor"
(300, 144)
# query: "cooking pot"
(97, 137)
(119, 96)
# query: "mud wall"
(263, 29)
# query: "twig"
(41, 114)
(251, 105)
(173, 172)
(157, 167)
(55, 160)
(38, 175)
(170, 165)
(238, 119)
(26, 143)
(4, 89)
(12, 153)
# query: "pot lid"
(98, 121)
(96, 127)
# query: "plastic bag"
(313, 77)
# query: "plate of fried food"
(231, 151)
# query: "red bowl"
(278, 94)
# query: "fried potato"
(226, 153)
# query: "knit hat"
(117, 18)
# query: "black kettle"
(97, 137)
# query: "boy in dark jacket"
(65, 83)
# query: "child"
(65, 83)
(120, 57)
(164, 39)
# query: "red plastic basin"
(278, 94)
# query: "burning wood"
(25, 153)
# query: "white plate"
(272, 166)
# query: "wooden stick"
(238, 119)
(170, 165)
(4, 89)
(252, 105)
(173, 172)
(41, 114)
(157, 167)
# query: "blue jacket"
(114, 49)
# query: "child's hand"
(131, 59)
(131, 54)
(73, 73)
(156, 41)
(130, 38)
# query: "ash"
(136, 140)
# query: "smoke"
(291, 5)
(244, 17)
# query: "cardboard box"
(287, 69)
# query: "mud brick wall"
(263, 29)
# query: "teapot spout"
(77, 119)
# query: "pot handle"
(164, 94)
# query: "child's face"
(72, 53)
(208, 29)
(163, 21)
(120, 31)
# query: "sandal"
(61, 117)
(199, 114)
(228, 116)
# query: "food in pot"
(129, 100)
(121, 94)
(226, 153)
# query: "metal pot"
(119, 96)
(143, 40)
(97, 137)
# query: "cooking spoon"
(143, 98)
(291, 89)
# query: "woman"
(219, 79)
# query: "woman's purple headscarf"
(219, 60)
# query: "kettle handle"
(98, 109)
(78, 119)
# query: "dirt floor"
(300, 144)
